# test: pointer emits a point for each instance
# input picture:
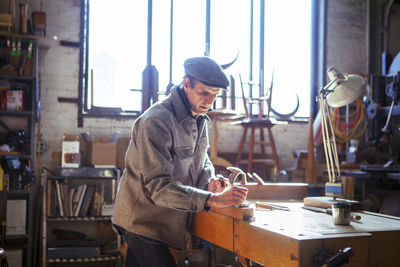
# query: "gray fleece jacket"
(167, 168)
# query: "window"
(115, 50)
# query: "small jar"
(341, 213)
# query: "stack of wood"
(298, 173)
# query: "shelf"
(29, 85)
(94, 187)
(25, 156)
(16, 193)
(92, 259)
(80, 178)
(14, 153)
(316, 185)
(23, 36)
(74, 219)
(15, 237)
(16, 113)
(16, 77)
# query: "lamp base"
(334, 189)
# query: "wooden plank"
(274, 250)
(292, 238)
(326, 202)
(239, 213)
(385, 248)
(215, 228)
(303, 224)
(264, 247)
(277, 191)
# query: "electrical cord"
(354, 128)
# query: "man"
(168, 173)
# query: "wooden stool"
(219, 115)
(260, 124)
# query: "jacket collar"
(181, 105)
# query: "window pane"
(230, 36)
(286, 49)
(118, 59)
(160, 43)
(287, 52)
(189, 34)
(117, 51)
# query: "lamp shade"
(346, 91)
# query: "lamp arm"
(328, 143)
(330, 149)
(324, 136)
(334, 148)
(325, 90)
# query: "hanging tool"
(235, 173)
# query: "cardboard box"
(102, 152)
(16, 217)
(122, 146)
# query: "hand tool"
(353, 216)
(271, 206)
(221, 180)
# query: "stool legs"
(251, 150)
(274, 154)
(262, 146)
(241, 145)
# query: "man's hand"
(217, 185)
(234, 195)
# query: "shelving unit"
(22, 119)
(94, 225)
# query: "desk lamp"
(340, 91)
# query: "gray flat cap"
(206, 71)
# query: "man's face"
(201, 97)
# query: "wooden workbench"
(291, 238)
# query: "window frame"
(318, 24)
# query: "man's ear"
(186, 83)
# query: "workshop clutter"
(18, 59)
(90, 150)
(13, 141)
(15, 173)
(12, 100)
(12, 96)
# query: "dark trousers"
(146, 252)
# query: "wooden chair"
(6, 19)
(259, 123)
